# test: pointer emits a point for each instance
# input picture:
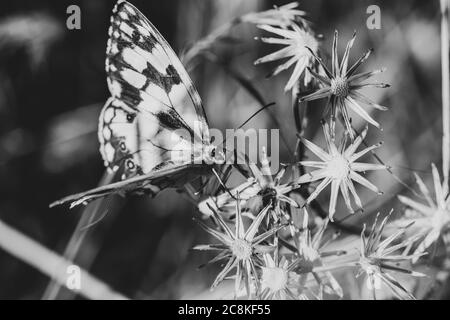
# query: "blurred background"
(53, 85)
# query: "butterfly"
(153, 130)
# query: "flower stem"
(51, 264)
(445, 91)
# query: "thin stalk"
(89, 215)
(445, 91)
(52, 265)
(207, 42)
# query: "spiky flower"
(341, 85)
(295, 41)
(282, 16)
(430, 219)
(260, 190)
(338, 167)
(278, 280)
(240, 247)
(268, 188)
(379, 257)
(225, 202)
(310, 252)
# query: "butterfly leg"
(222, 184)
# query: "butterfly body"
(153, 130)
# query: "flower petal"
(251, 231)
(279, 31)
(280, 54)
(358, 96)
(319, 60)
(360, 111)
(314, 164)
(298, 70)
(230, 265)
(352, 148)
(363, 181)
(319, 94)
(417, 206)
(318, 189)
(440, 198)
(358, 155)
(220, 236)
(284, 66)
(358, 63)
(344, 63)
(333, 198)
(346, 196)
(362, 167)
(313, 176)
(316, 150)
(364, 75)
(323, 79)
(351, 186)
(334, 55)
(424, 190)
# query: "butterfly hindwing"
(149, 184)
(124, 144)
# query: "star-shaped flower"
(260, 190)
(282, 16)
(278, 280)
(432, 218)
(378, 257)
(295, 41)
(268, 188)
(240, 247)
(341, 85)
(339, 168)
(310, 255)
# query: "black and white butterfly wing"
(151, 128)
(148, 184)
(153, 99)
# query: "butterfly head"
(213, 155)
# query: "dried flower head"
(268, 189)
(239, 247)
(339, 168)
(378, 257)
(310, 253)
(295, 41)
(341, 85)
(282, 16)
(260, 190)
(431, 219)
(278, 281)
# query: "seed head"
(339, 87)
(241, 249)
(339, 167)
(274, 278)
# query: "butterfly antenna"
(251, 117)
(256, 113)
